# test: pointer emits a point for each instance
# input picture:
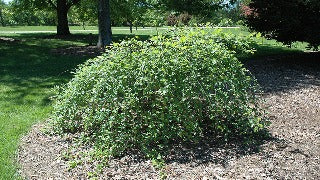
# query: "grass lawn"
(78, 29)
(28, 72)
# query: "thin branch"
(52, 4)
(73, 2)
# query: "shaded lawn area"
(28, 72)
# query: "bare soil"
(292, 93)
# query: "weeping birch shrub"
(145, 95)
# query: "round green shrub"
(148, 94)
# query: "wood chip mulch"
(292, 91)
(87, 51)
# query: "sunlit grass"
(76, 29)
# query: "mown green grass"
(79, 29)
(43, 28)
(28, 72)
(143, 31)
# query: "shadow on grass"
(268, 50)
(280, 69)
(85, 38)
(30, 69)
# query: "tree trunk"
(62, 12)
(130, 25)
(1, 19)
(83, 25)
(104, 22)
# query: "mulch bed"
(89, 51)
(292, 93)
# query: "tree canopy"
(199, 7)
(286, 21)
(61, 7)
(122, 12)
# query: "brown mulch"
(91, 51)
(292, 91)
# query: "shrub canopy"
(147, 94)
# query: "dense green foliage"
(143, 13)
(146, 94)
(286, 21)
(17, 14)
(199, 7)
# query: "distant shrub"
(226, 22)
(184, 18)
(175, 87)
(172, 20)
(180, 20)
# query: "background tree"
(286, 21)
(230, 14)
(122, 12)
(15, 14)
(2, 6)
(20, 15)
(129, 12)
(199, 7)
(85, 12)
(201, 11)
(61, 7)
(104, 22)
